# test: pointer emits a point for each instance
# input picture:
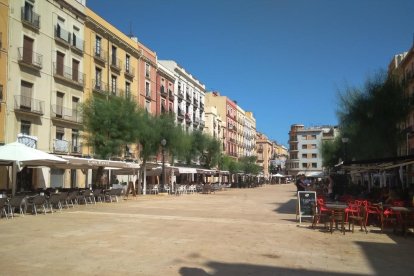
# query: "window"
(98, 78)
(147, 89)
(60, 133)
(314, 165)
(313, 137)
(75, 70)
(127, 63)
(113, 84)
(304, 155)
(314, 155)
(27, 50)
(179, 86)
(60, 61)
(75, 38)
(148, 106)
(28, 11)
(114, 61)
(26, 95)
(25, 127)
(59, 104)
(163, 106)
(305, 165)
(98, 45)
(75, 108)
(75, 141)
(313, 146)
(304, 146)
(147, 70)
(127, 90)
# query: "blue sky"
(284, 60)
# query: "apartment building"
(213, 123)
(189, 97)
(4, 32)
(264, 149)
(45, 60)
(279, 157)
(240, 132)
(227, 109)
(250, 130)
(165, 90)
(305, 157)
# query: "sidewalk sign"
(306, 199)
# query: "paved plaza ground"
(233, 232)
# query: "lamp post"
(163, 143)
(345, 140)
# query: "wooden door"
(60, 58)
(75, 70)
(27, 49)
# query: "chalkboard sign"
(306, 201)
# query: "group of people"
(304, 184)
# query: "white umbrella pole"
(14, 178)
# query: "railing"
(27, 56)
(129, 70)
(180, 113)
(68, 73)
(99, 86)
(195, 101)
(76, 148)
(163, 91)
(28, 104)
(99, 54)
(61, 146)
(28, 140)
(62, 34)
(181, 95)
(188, 98)
(67, 114)
(170, 95)
(201, 105)
(116, 63)
(31, 18)
(78, 43)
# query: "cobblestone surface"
(233, 232)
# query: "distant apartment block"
(304, 148)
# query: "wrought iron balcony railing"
(100, 87)
(61, 34)
(30, 58)
(68, 73)
(27, 104)
(99, 54)
(68, 114)
(30, 18)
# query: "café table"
(337, 210)
(405, 219)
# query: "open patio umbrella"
(18, 155)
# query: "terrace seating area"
(53, 200)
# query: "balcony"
(62, 36)
(180, 114)
(148, 94)
(163, 91)
(195, 102)
(187, 118)
(68, 74)
(27, 140)
(201, 105)
(61, 146)
(27, 104)
(30, 19)
(196, 121)
(188, 99)
(29, 58)
(116, 64)
(99, 55)
(67, 114)
(180, 95)
(260, 149)
(100, 87)
(170, 95)
(129, 71)
(78, 44)
(76, 148)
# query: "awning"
(91, 163)
(380, 164)
(186, 170)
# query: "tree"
(370, 118)
(109, 125)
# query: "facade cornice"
(71, 8)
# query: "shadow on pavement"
(288, 207)
(248, 269)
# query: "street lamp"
(163, 143)
(345, 140)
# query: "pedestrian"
(300, 183)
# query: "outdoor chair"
(154, 189)
(359, 217)
(17, 202)
(38, 201)
(3, 206)
(336, 217)
(318, 216)
(73, 198)
(98, 195)
(113, 194)
(64, 199)
(54, 201)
